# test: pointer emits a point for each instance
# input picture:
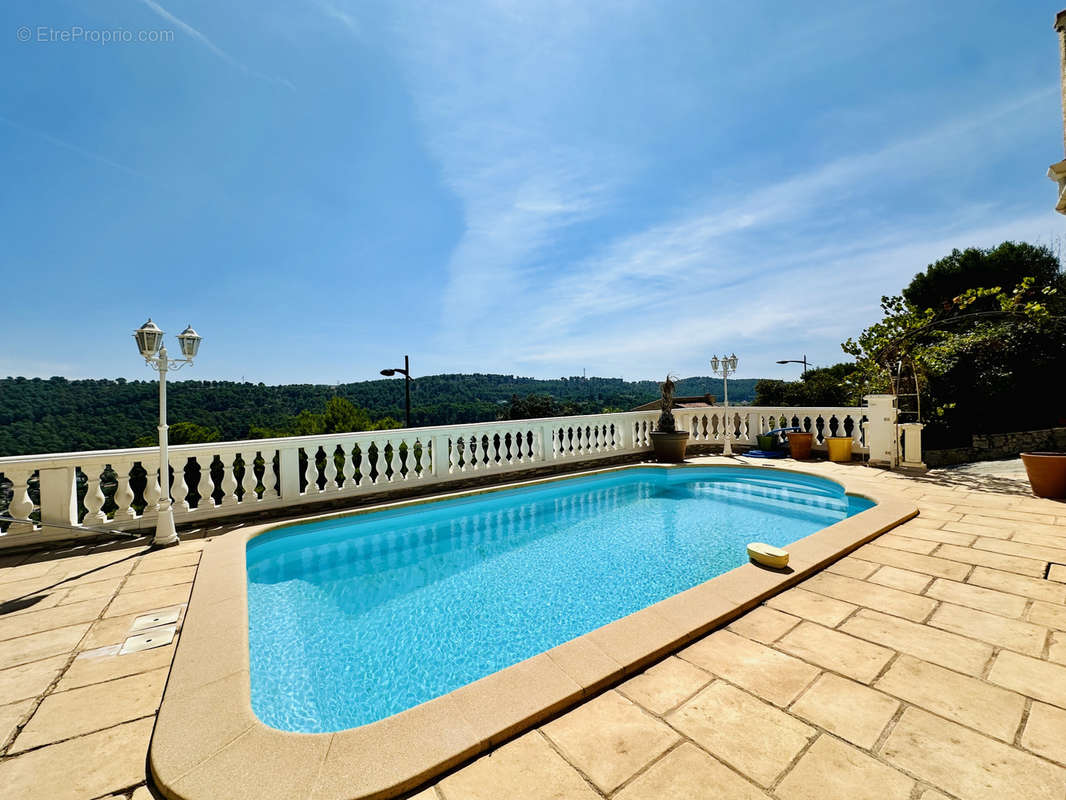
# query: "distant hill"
(58, 415)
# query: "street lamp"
(150, 342)
(725, 366)
(406, 372)
(797, 361)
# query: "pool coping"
(208, 743)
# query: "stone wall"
(990, 446)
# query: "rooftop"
(929, 663)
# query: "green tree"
(183, 433)
(821, 386)
(984, 353)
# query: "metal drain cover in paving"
(157, 637)
(164, 616)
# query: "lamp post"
(797, 361)
(726, 366)
(406, 372)
(150, 342)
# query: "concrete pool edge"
(208, 743)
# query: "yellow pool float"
(768, 555)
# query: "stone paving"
(929, 664)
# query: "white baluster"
(248, 480)
(229, 479)
(348, 467)
(152, 491)
(123, 493)
(94, 497)
(21, 505)
(330, 471)
(311, 469)
(179, 491)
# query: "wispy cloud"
(722, 275)
(81, 151)
(210, 45)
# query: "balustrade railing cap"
(151, 454)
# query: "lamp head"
(714, 363)
(189, 340)
(388, 373)
(733, 362)
(149, 338)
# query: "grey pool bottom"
(208, 743)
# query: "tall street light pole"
(797, 361)
(406, 372)
(726, 366)
(150, 343)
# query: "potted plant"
(839, 448)
(799, 445)
(669, 443)
(1047, 474)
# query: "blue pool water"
(354, 619)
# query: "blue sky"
(320, 186)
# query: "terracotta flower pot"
(799, 445)
(1047, 473)
(669, 446)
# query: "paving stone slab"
(1036, 588)
(871, 595)
(75, 770)
(903, 579)
(1045, 732)
(62, 715)
(965, 594)
(940, 647)
(768, 673)
(988, 558)
(688, 772)
(756, 738)
(528, 768)
(1015, 634)
(610, 739)
(928, 565)
(848, 709)
(1052, 615)
(30, 680)
(852, 567)
(764, 624)
(970, 701)
(812, 606)
(51, 618)
(666, 685)
(837, 651)
(41, 645)
(967, 764)
(1041, 680)
(832, 769)
(84, 671)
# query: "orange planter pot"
(1047, 473)
(799, 445)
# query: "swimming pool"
(356, 618)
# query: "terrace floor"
(930, 663)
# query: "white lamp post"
(150, 343)
(726, 366)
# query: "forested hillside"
(57, 415)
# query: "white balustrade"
(374, 462)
